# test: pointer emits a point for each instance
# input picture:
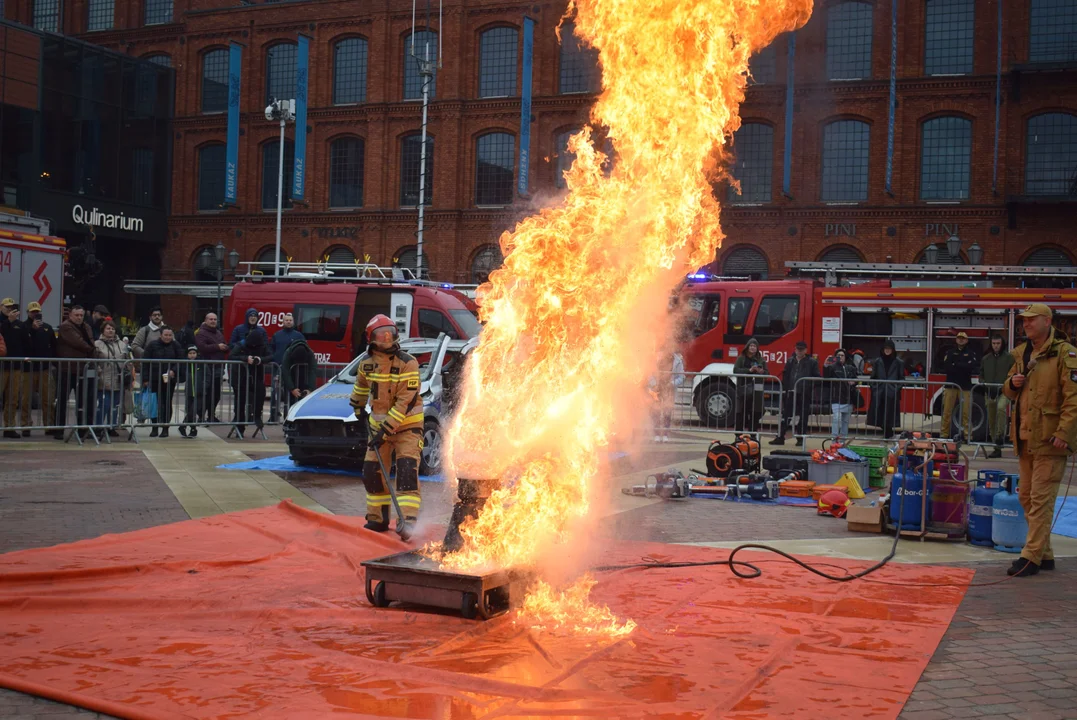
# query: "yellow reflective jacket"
(391, 382)
(1046, 405)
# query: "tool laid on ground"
(740, 455)
(670, 485)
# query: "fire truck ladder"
(834, 273)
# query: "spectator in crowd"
(279, 344)
(299, 371)
(14, 375)
(185, 335)
(42, 345)
(250, 345)
(75, 343)
(885, 409)
(797, 395)
(110, 376)
(149, 332)
(669, 375)
(162, 373)
(843, 372)
(994, 369)
(959, 363)
(194, 379)
(99, 315)
(211, 346)
(750, 392)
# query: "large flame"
(572, 316)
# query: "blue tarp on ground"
(283, 463)
(1066, 517)
(794, 501)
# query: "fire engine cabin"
(850, 310)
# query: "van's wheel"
(430, 463)
(715, 402)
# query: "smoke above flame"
(573, 317)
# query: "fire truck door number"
(780, 356)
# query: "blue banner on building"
(525, 108)
(301, 71)
(231, 152)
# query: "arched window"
(215, 81)
(753, 148)
(841, 254)
(408, 257)
(1047, 256)
(763, 66)
(848, 41)
(211, 177)
(159, 59)
(944, 258)
(945, 157)
(349, 71)
(265, 255)
(280, 72)
(410, 163)
(565, 157)
(948, 27)
(1051, 157)
(495, 161)
(579, 63)
(746, 262)
(845, 161)
(1052, 29)
(346, 173)
(425, 41)
(341, 255)
(47, 15)
(497, 62)
(486, 260)
(158, 12)
(270, 165)
(99, 15)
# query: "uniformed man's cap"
(33, 307)
(8, 302)
(963, 334)
(1035, 309)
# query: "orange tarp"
(262, 614)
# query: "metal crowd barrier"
(991, 415)
(714, 401)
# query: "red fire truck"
(849, 310)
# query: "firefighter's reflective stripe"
(378, 499)
(409, 501)
(396, 415)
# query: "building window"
(142, 176)
(47, 15)
(410, 162)
(215, 81)
(349, 71)
(579, 63)
(497, 62)
(565, 157)
(486, 260)
(1047, 257)
(158, 12)
(753, 148)
(346, 173)
(494, 164)
(845, 161)
(416, 47)
(1051, 159)
(946, 150)
(745, 262)
(280, 72)
(763, 66)
(841, 254)
(265, 258)
(160, 59)
(270, 166)
(408, 257)
(340, 255)
(848, 41)
(1053, 31)
(211, 177)
(99, 15)
(948, 37)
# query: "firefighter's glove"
(377, 438)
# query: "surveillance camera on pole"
(284, 112)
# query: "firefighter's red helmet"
(378, 322)
(834, 502)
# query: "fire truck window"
(777, 315)
(739, 308)
(432, 323)
(322, 322)
(708, 307)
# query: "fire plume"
(573, 315)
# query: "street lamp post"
(284, 111)
(215, 260)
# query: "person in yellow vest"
(1043, 387)
(388, 378)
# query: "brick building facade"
(951, 62)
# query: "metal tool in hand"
(401, 523)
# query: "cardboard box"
(863, 517)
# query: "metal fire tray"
(411, 577)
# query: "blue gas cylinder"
(907, 496)
(1009, 528)
(988, 483)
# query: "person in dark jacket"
(298, 372)
(248, 380)
(797, 396)
(193, 376)
(14, 374)
(843, 385)
(97, 317)
(994, 369)
(749, 393)
(75, 342)
(279, 344)
(239, 332)
(959, 363)
(42, 345)
(161, 370)
(185, 335)
(211, 346)
(885, 409)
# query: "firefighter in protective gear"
(389, 378)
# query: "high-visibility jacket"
(391, 382)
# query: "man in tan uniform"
(1043, 387)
